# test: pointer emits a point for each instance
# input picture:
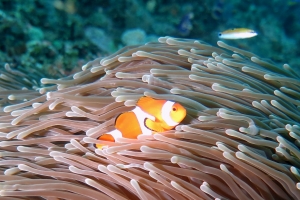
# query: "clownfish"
(237, 33)
(148, 117)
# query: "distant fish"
(185, 26)
(237, 33)
(148, 117)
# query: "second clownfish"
(149, 116)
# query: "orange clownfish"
(149, 116)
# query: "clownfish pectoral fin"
(154, 126)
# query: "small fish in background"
(237, 33)
(185, 26)
(148, 117)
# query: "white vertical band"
(165, 113)
(141, 116)
(116, 134)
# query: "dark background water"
(58, 36)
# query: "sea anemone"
(240, 139)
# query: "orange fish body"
(148, 117)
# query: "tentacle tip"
(174, 159)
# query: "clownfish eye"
(174, 109)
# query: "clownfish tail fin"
(106, 137)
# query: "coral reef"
(240, 139)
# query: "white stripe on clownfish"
(141, 117)
(165, 113)
(116, 134)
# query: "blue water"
(65, 31)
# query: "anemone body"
(240, 139)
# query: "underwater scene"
(149, 99)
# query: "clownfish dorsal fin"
(117, 117)
(144, 101)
